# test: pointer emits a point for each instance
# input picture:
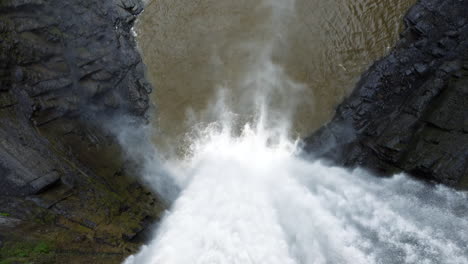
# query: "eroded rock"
(67, 66)
(408, 112)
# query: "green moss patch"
(22, 251)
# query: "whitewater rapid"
(249, 199)
(242, 193)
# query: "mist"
(241, 193)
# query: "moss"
(112, 203)
(44, 217)
(4, 214)
(55, 31)
(42, 248)
(23, 250)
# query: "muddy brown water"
(192, 47)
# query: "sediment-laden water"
(191, 48)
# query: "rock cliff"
(67, 194)
(409, 111)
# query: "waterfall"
(246, 196)
(248, 200)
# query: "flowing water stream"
(235, 81)
(192, 47)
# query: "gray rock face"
(65, 58)
(66, 66)
(409, 111)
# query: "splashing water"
(248, 200)
(247, 197)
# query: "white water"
(246, 197)
(250, 202)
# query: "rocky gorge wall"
(409, 111)
(67, 193)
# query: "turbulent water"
(244, 194)
(191, 47)
(249, 200)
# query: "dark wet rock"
(44, 182)
(8, 222)
(66, 66)
(68, 56)
(409, 111)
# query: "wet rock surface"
(409, 111)
(67, 65)
(65, 68)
